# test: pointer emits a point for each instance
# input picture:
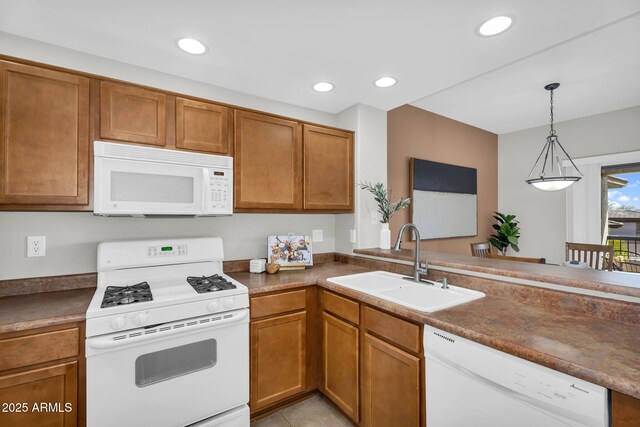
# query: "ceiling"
(277, 49)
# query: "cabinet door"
(202, 126)
(268, 162)
(625, 410)
(278, 359)
(390, 385)
(328, 169)
(340, 364)
(50, 395)
(131, 113)
(44, 125)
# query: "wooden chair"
(599, 257)
(628, 261)
(517, 258)
(480, 249)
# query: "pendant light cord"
(553, 131)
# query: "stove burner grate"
(122, 295)
(210, 284)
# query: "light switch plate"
(352, 236)
(36, 245)
(317, 235)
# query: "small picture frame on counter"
(291, 252)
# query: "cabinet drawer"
(396, 330)
(269, 305)
(39, 348)
(341, 307)
(57, 385)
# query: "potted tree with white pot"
(386, 209)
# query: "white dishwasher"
(472, 385)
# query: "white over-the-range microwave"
(140, 181)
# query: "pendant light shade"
(547, 173)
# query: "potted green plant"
(506, 234)
(386, 209)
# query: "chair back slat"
(599, 257)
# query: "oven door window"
(174, 362)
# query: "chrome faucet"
(418, 269)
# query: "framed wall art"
(444, 199)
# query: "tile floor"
(313, 412)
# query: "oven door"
(131, 187)
(180, 373)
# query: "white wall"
(24, 48)
(370, 125)
(72, 237)
(542, 214)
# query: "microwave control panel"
(219, 191)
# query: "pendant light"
(548, 174)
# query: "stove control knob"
(212, 306)
(140, 319)
(117, 323)
(228, 303)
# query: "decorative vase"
(385, 236)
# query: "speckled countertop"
(601, 351)
(616, 282)
(596, 350)
(30, 311)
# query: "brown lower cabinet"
(42, 377)
(625, 410)
(340, 364)
(371, 363)
(283, 347)
(278, 364)
(390, 385)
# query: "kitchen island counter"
(597, 350)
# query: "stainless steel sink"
(424, 296)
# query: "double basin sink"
(424, 296)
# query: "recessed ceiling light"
(495, 26)
(323, 87)
(192, 46)
(386, 82)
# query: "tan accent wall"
(413, 132)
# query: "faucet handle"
(423, 265)
(445, 285)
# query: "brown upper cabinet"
(50, 116)
(132, 113)
(44, 125)
(283, 165)
(328, 169)
(202, 126)
(267, 162)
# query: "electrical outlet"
(352, 236)
(317, 235)
(36, 245)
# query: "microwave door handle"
(108, 342)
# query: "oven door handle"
(163, 331)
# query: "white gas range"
(167, 337)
